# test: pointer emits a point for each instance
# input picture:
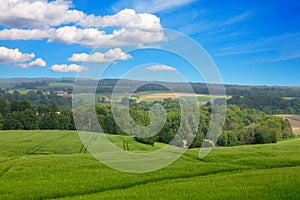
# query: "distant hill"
(107, 85)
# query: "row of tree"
(250, 126)
(38, 97)
(22, 115)
(267, 103)
(242, 126)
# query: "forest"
(38, 97)
(242, 125)
(267, 103)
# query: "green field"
(54, 165)
(21, 91)
(59, 84)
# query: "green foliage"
(20, 105)
(267, 103)
(1, 122)
(223, 139)
(19, 101)
(147, 140)
(242, 126)
(4, 108)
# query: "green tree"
(20, 105)
(29, 119)
(12, 122)
(223, 140)
(4, 108)
(1, 122)
(287, 131)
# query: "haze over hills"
(106, 85)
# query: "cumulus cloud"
(56, 22)
(109, 56)
(25, 34)
(68, 68)
(126, 18)
(37, 13)
(73, 35)
(92, 37)
(88, 37)
(160, 68)
(36, 63)
(14, 56)
(41, 13)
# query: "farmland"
(55, 165)
(160, 96)
(295, 122)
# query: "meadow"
(55, 165)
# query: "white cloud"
(25, 34)
(92, 37)
(14, 55)
(37, 13)
(152, 6)
(36, 63)
(56, 22)
(68, 68)
(72, 35)
(109, 56)
(126, 18)
(160, 68)
(89, 37)
(41, 13)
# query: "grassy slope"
(53, 164)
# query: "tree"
(20, 105)
(1, 122)
(287, 131)
(4, 109)
(223, 140)
(29, 119)
(12, 122)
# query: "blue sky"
(251, 42)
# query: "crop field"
(161, 95)
(22, 91)
(58, 84)
(55, 165)
(295, 122)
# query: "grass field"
(54, 165)
(22, 91)
(58, 84)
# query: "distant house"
(61, 93)
(68, 96)
(46, 93)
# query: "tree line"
(267, 103)
(22, 115)
(242, 126)
(37, 98)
